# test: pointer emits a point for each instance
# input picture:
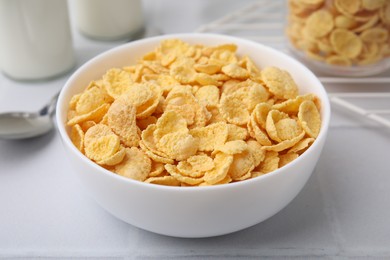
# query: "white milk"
(109, 19)
(35, 39)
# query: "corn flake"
(279, 82)
(319, 23)
(117, 82)
(136, 165)
(178, 145)
(233, 108)
(219, 174)
(346, 43)
(210, 136)
(77, 137)
(163, 180)
(243, 164)
(310, 118)
(122, 120)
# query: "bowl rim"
(61, 125)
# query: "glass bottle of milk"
(109, 19)
(35, 39)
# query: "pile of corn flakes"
(341, 32)
(189, 115)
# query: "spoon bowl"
(22, 125)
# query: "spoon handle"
(50, 108)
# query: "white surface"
(193, 212)
(342, 212)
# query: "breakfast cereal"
(193, 115)
(339, 32)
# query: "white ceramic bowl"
(193, 211)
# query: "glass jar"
(341, 37)
(35, 39)
(109, 20)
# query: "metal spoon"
(22, 125)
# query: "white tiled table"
(343, 211)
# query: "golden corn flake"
(102, 147)
(163, 180)
(256, 132)
(373, 4)
(376, 34)
(288, 128)
(285, 144)
(367, 25)
(385, 14)
(347, 6)
(114, 158)
(196, 165)
(338, 60)
(310, 118)
(121, 119)
(77, 137)
(157, 169)
(96, 132)
(257, 153)
(73, 101)
(290, 106)
(174, 172)
(205, 79)
(192, 115)
(136, 165)
(232, 147)
(95, 115)
(344, 22)
(287, 158)
(148, 141)
(117, 82)
(207, 68)
(311, 3)
(87, 125)
(210, 136)
(260, 113)
(178, 145)
(208, 51)
(170, 122)
(279, 82)
(201, 162)
(222, 164)
(234, 71)
(183, 72)
(156, 157)
(225, 53)
(301, 145)
(216, 116)
(236, 133)
(273, 117)
(182, 101)
(91, 99)
(234, 109)
(346, 43)
(243, 164)
(319, 24)
(247, 63)
(270, 162)
(208, 95)
(256, 94)
(145, 97)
